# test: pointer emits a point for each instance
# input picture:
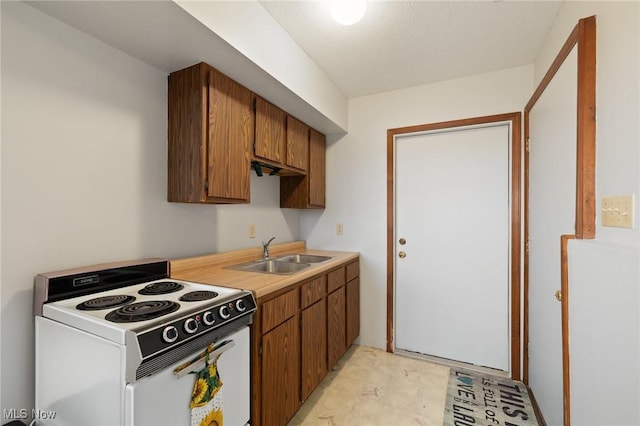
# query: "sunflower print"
(214, 418)
(213, 369)
(207, 384)
(199, 391)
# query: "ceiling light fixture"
(348, 12)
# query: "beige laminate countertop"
(211, 269)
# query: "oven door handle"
(200, 363)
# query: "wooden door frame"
(514, 120)
(584, 37)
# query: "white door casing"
(552, 206)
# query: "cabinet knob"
(402, 241)
(402, 255)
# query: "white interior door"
(452, 208)
(552, 203)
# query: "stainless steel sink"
(271, 267)
(303, 258)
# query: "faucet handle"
(265, 248)
(268, 242)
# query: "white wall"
(605, 330)
(249, 28)
(357, 171)
(617, 99)
(603, 273)
(84, 175)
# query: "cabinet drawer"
(353, 270)
(279, 309)
(312, 291)
(335, 279)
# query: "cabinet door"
(230, 127)
(281, 373)
(307, 192)
(316, 175)
(270, 134)
(314, 347)
(186, 136)
(297, 144)
(336, 327)
(353, 310)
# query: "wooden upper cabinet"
(210, 132)
(307, 192)
(217, 128)
(281, 141)
(270, 132)
(297, 144)
(317, 167)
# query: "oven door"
(163, 398)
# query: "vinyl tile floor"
(369, 386)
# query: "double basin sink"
(285, 265)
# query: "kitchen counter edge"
(211, 269)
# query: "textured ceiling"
(400, 44)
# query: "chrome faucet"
(265, 248)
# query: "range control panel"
(176, 332)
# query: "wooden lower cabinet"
(281, 373)
(353, 310)
(314, 347)
(297, 337)
(336, 326)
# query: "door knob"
(402, 241)
(402, 255)
(559, 295)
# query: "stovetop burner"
(198, 296)
(116, 302)
(105, 302)
(142, 311)
(161, 287)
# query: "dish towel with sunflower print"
(206, 399)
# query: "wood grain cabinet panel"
(313, 346)
(353, 270)
(298, 336)
(210, 131)
(297, 144)
(336, 326)
(218, 128)
(270, 132)
(307, 192)
(317, 166)
(281, 373)
(335, 279)
(279, 309)
(312, 291)
(353, 310)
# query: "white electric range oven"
(110, 339)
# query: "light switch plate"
(618, 211)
